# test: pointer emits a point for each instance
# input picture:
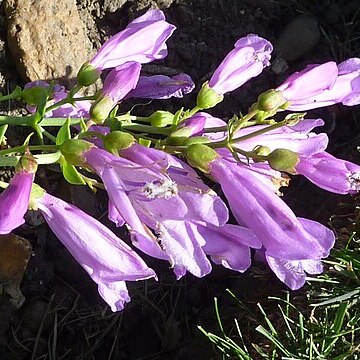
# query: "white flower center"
(162, 189)
(354, 180)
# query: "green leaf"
(64, 133)
(3, 129)
(70, 173)
(144, 142)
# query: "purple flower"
(151, 189)
(143, 40)
(293, 272)
(78, 109)
(247, 60)
(259, 208)
(303, 88)
(329, 173)
(14, 201)
(345, 89)
(162, 87)
(117, 84)
(105, 257)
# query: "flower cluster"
(169, 211)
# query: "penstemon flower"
(117, 84)
(162, 87)
(14, 200)
(323, 85)
(105, 257)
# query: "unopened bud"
(270, 100)
(261, 150)
(73, 150)
(207, 97)
(201, 156)
(87, 75)
(283, 160)
(118, 140)
(161, 118)
(101, 109)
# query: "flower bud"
(207, 97)
(87, 75)
(200, 156)
(161, 118)
(283, 160)
(118, 140)
(101, 109)
(270, 100)
(261, 150)
(73, 150)
(27, 163)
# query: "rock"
(47, 39)
(14, 256)
(298, 38)
(113, 5)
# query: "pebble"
(47, 39)
(298, 38)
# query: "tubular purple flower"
(162, 87)
(259, 208)
(143, 40)
(105, 257)
(247, 60)
(329, 173)
(302, 88)
(153, 189)
(14, 201)
(117, 84)
(345, 90)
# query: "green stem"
(68, 100)
(146, 129)
(58, 121)
(193, 111)
(16, 120)
(259, 132)
(245, 119)
(22, 148)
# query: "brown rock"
(46, 38)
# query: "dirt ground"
(63, 316)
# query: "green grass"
(326, 327)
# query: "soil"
(63, 316)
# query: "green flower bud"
(28, 163)
(73, 149)
(201, 156)
(270, 100)
(87, 75)
(261, 150)
(283, 160)
(161, 118)
(101, 109)
(118, 140)
(186, 141)
(207, 97)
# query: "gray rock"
(298, 38)
(46, 38)
(113, 5)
